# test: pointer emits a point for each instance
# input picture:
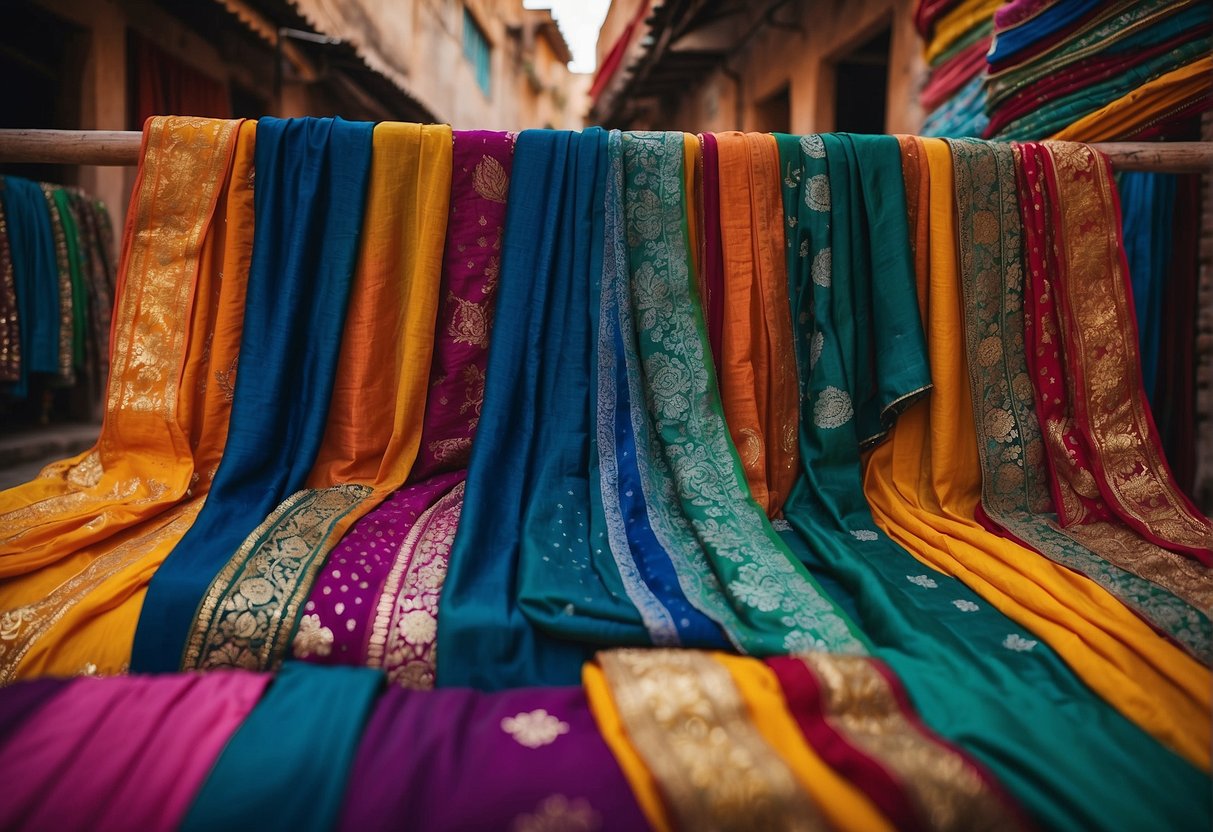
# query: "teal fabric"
(730, 563)
(286, 766)
(1011, 707)
(530, 588)
(312, 178)
(35, 278)
(1148, 211)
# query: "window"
(476, 50)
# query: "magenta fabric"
(121, 753)
(713, 256)
(530, 758)
(375, 603)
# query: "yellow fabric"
(142, 461)
(79, 612)
(924, 485)
(956, 23)
(1134, 111)
(610, 726)
(844, 806)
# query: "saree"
(533, 758)
(1058, 17)
(36, 285)
(308, 205)
(376, 600)
(924, 485)
(382, 368)
(141, 462)
(71, 291)
(529, 586)
(1149, 209)
(292, 748)
(81, 610)
(1105, 459)
(977, 679)
(713, 255)
(758, 365)
(962, 18)
(113, 754)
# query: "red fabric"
(802, 693)
(166, 86)
(928, 12)
(713, 260)
(611, 63)
(951, 76)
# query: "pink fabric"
(121, 753)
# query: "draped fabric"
(36, 283)
(293, 749)
(376, 602)
(713, 258)
(506, 618)
(533, 758)
(1148, 200)
(142, 461)
(924, 486)
(10, 326)
(382, 369)
(80, 611)
(165, 84)
(309, 203)
(758, 363)
(117, 754)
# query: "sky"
(579, 21)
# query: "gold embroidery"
(490, 180)
(250, 608)
(227, 379)
(749, 448)
(312, 639)
(470, 322)
(1105, 353)
(534, 729)
(63, 269)
(689, 724)
(559, 814)
(87, 472)
(947, 792)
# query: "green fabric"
(974, 676)
(286, 766)
(71, 233)
(730, 563)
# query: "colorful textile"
(35, 278)
(309, 204)
(533, 758)
(80, 611)
(376, 600)
(115, 754)
(10, 326)
(142, 461)
(293, 749)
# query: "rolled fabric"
(114, 754)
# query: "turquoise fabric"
(312, 178)
(35, 278)
(530, 589)
(1148, 211)
(1012, 706)
(286, 766)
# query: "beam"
(121, 147)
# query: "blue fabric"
(35, 278)
(1009, 42)
(1148, 211)
(961, 115)
(286, 766)
(311, 185)
(526, 595)
(655, 588)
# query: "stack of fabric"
(559, 424)
(56, 287)
(1091, 71)
(957, 35)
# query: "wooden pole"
(121, 147)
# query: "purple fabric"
(530, 758)
(713, 259)
(376, 600)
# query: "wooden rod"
(121, 147)
(71, 147)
